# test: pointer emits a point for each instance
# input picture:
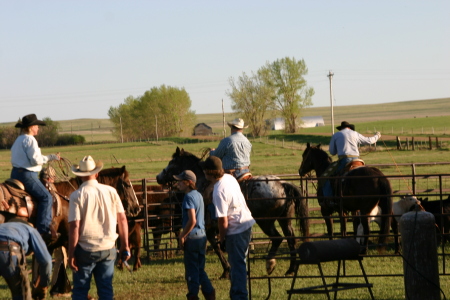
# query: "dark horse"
(268, 199)
(14, 200)
(361, 189)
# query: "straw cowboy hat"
(87, 167)
(238, 123)
(29, 120)
(346, 124)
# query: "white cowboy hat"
(238, 123)
(87, 167)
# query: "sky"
(75, 59)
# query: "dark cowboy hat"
(345, 124)
(29, 120)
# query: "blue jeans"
(37, 190)
(99, 263)
(11, 274)
(194, 266)
(237, 247)
(327, 188)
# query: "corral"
(433, 186)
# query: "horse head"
(310, 159)
(119, 178)
(181, 160)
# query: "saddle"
(15, 200)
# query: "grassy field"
(277, 154)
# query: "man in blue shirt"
(192, 238)
(345, 144)
(234, 151)
(18, 239)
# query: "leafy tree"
(162, 111)
(252, 98)
(285, 77)
(7, 136)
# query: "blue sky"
(76, 59)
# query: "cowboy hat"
(238, 123)
(87, 167)
(29, 120)
(346, 124)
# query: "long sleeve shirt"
(234, 151)
(25, 153)
(346, 142)
(30, 240)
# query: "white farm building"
(306, 122)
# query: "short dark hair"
(216, 174)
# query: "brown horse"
(13, 201)
(361, 189)
(268, 198)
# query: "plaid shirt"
(234, 151)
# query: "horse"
(361, 189)
(441, 211)
(268, 198)
(16, 202)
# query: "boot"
(210, 296)
(192, 297)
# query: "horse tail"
(294, 194)
(386, 205)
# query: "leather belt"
(5, 246)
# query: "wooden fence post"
(399, 144)
(412, 143)
(429, 141)
(420, 261)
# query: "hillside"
(100, 129)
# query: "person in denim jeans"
(94, 211)
(235, 223)
(345, 144)
(17, 240)
(192, 239)
(27, 161)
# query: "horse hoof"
(289, 274)
(270, 265)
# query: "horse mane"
(322, 153)
(113, 172)
(186, 154)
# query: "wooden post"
(399, 144)
(420, 256)
(429, 141)
(407, 144)
(437, 143)
(412, 144)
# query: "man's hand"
(73, 264)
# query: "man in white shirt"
(235, 223)
(94, 211)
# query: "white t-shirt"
(96, 206)
(230, 202)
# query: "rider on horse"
(27, 161)
(345, 144)
(234, 151)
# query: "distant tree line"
(48, 136)
(277, 88)
(160, 112)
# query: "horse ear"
(318, 146)
(177, 151)
(182, 151)
(308, 145)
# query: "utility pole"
(121, 135)
(330, 75)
